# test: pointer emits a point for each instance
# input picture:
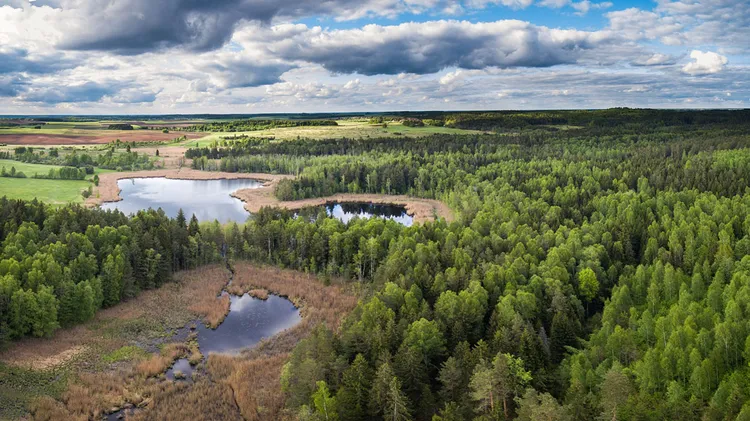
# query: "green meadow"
(346, 128)
(57, 192)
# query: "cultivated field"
(346, 128)
(81, 133)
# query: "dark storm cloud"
(138, 26)
(19, 60)
(11, 86)
(85, 92)
(429, 47)
(243, 73)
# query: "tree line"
(60, 265)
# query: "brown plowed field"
(99, 138)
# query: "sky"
(271, 56)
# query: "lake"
(206, 199)
(347, 211)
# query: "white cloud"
(705, 63)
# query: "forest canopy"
(596, 272)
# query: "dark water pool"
(249, 320)
(345, 212)
(207, 199)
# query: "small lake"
(347, 211)
(249, 320)
(207, 199)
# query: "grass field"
(346, 128)
(56, 192)
(65, 128)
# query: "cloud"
(80, 92)
(635, 24)
(11, 86)
(428, 47)
(134, 96)
(513, 4)
(138, 26)
(705, 63)
(656, 59)
(19, 60)
(583, 7)
(238, 71)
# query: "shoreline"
(108, 191)
(421, 210)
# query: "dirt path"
(109, 192)
(421, 210)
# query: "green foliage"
(58, 266)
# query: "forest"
(596, 272)
(252, 125)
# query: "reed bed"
(233, 387)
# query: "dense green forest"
(58, 266)
(600, 272)
(251, 125)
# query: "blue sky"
(254, 56)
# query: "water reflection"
(207, 199)
(249, 320)
(181, 366)
(346, 211)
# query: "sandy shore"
(421, 210)
(109, 192)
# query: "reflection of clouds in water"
(242, 303)
(383, 211)
(249, 321)
(207, 199)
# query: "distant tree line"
(252, 125)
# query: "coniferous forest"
(600, 271)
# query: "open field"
(95, 137)
(78, 133)
(346, 128)
(56, 192)
(87, 371)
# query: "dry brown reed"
(159, 363)
(233, 387)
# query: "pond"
(347, 211)
(249, 320)
(206, 199)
